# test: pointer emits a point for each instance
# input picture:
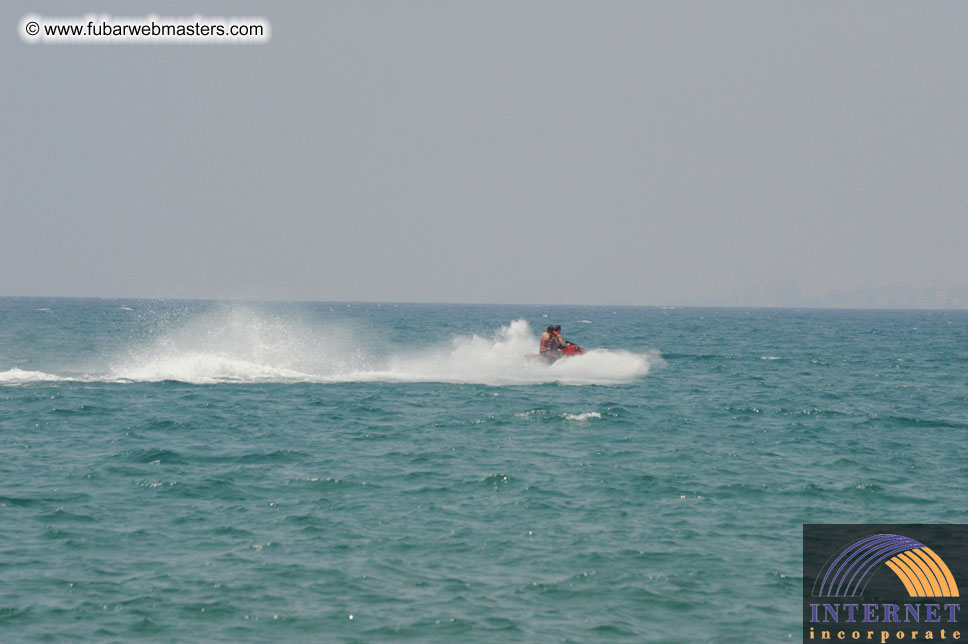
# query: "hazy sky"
(548, 152)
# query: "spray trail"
(240, 346)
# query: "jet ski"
(566, 351)
(572, 350)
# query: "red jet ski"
(566, 351)
(572, 350)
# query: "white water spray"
(245, 347)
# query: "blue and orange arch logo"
(919, 568)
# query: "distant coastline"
(789, 295)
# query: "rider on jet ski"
(552, 344)
(561, 341)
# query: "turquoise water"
(188, 471)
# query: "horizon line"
(453, 303)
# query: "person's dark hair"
(558, 328)
(550, 329)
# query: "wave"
(19, 376)
(244, 347)
(584, 416)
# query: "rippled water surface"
(186, 471)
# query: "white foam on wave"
(583, 417)
(17, 376)
(243, 346)
(206, 368)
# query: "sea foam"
(17, 376)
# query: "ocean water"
(332, 472)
